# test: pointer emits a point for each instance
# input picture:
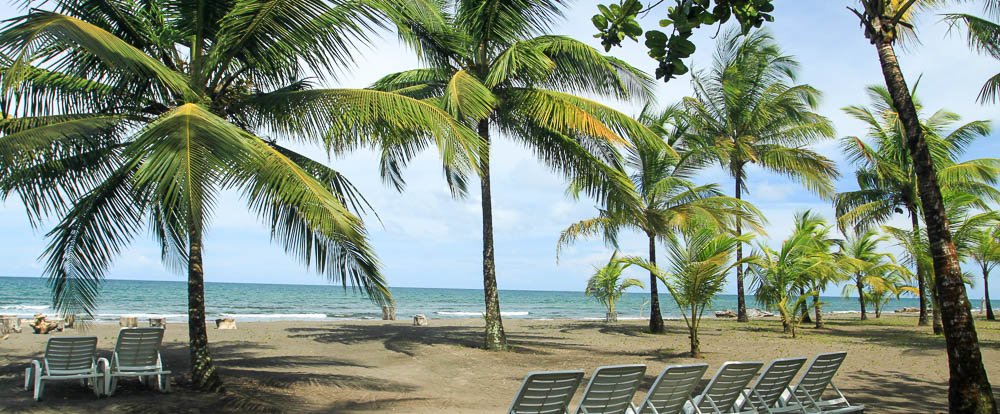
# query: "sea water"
(248, 301)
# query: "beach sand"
(377, 366)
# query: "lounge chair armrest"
(35, 369)
(103, 365)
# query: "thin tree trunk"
(695, 345)
(741, 303)
(819, 311)
(495, 339)
(655, 316)
(986, 295)
(805, 307)
(936, 311)
(969, 388)
(203, 374)
(921, 272)
(861, 296)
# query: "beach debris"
(907, 310)
(725, 314)
(128, 322)
(42, 324)
(158, 322)
(225, 323)
(388, 313)
(758, 313)
(9, 324)
(419, 320)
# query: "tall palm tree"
(885, 22)
(749, 109)
(491, 66)
(127, 116)
(886, 176)
(868, 265)
(986, 253)
(658, 197)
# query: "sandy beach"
(377, 366)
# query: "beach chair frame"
(679, 381)
(765, 395)
(66, 358)
(731, 378)
(136, 354)
(546, 392)
(808, 392)
(611, 389)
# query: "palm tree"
(607, 286)
(983, 36)
(699, 264)
(123, 116)
(658, 197)
(887, 179)
(986, 253)
(884, 22)
(490, 65)
(749, 110)
(869, 267)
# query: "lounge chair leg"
(39, 385)
(27, 379)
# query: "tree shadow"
(896, 393)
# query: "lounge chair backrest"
(137, 348)
(727, 385)
(68, 355)
(774, 381)
(611, 389)
(672, 389)
(819, 374)
(546, 392)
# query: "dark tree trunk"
(496, 339)
(818, 307)
(804, 311)
(655, 316)
(969, 388)
(921, 272)
(986, 295)
(741, 303)
(936, 321)
(203, 374)
(861, 295)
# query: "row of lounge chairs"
(136, 354)
(612, 388)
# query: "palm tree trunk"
(861, 296)
(805, 307)
(969, 388)
(921, 272)
(986, 295)
(203, 374)
(819, 311)
(655, 317)
(693, 334)
(496, 339)
(936, 311)
(741, 303)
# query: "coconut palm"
(699, 264)
(122, 117)
(491, 66)
(886, 177)
(983, 35)
(659, 198)
(884, 23)
(986, 253)
(750, 111)
(607, 286)
(871, 269)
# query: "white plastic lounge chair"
(546, 392)
(66, 358)
(725, 388)
(672, 389)
(766, 392)
(611, 389)
(808, 392)
(137, 354)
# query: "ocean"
(249, 302)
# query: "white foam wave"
(276, 315)
(460, 313)
(24, 307)
(140, 315)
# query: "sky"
(426, 238)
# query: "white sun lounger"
(672, 389)
(66, 358)
(611, 389)
(725, 388)
(765, 395)
(546, 392)
(137, 354)
(808, 392)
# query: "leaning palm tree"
(749, 110)
(491, 66)
(122, 117)
(886, 177)
(607, 286)
(868, 266)
(659, 199)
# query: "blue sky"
(428, 239)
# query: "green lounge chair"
(546, 392)
(672, 389)
(136, 354)
(66, 358)
(807, 394)
(725, 388)
(765, 395)
(611, 389)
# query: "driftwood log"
(158, 322)
(419, 320)
(128, 321)
(9, 324)
(388, 313)
(69, 320)
(225, 323)
(42, 324)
